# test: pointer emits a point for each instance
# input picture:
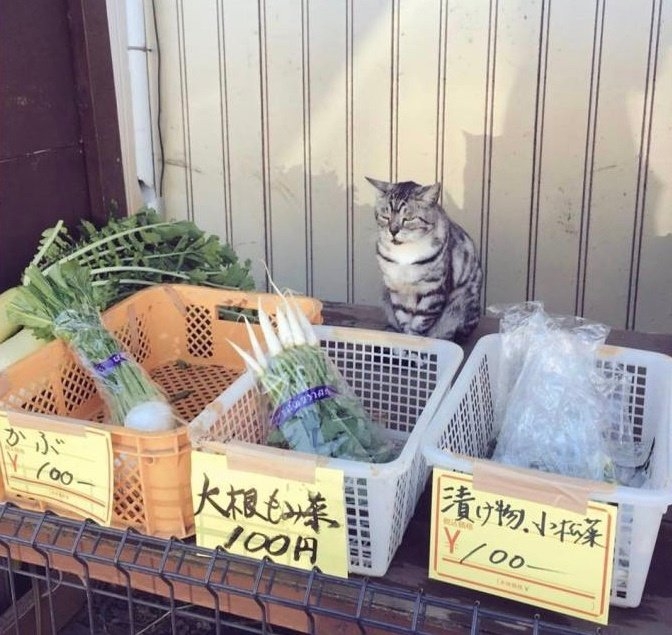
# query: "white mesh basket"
(463, 428)
(400, 380)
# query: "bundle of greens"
(141, 250)
(312, 408)
(122, 257)
(62, 304)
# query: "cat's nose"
(394, 231)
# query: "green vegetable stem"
(312, 407)
(62, 305)
(140, 250)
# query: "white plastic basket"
(463, 428)
(400, 380)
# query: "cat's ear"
(381, 186)
(429, 193)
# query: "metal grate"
(232, 594)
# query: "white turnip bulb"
(150, 416)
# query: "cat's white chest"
(398, 267)
(407, 253)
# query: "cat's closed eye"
(414, 222)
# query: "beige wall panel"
(285, 142)
(560, 183)
(327, 149)
(507, 215)
(203, 56)
(241, 32)
(175, 175)
(273, 112)
(618, 133)
(415, 121)
(371, 135)
(462, 111)
(654, 293)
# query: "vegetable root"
(7, 326)
(18, 346)
(150, 416)
(313, 408)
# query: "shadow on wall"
(566, 231)
(653, 311)
(590, 235)
(325, 245)
(368, 278)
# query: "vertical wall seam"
(152, 133)
(643, 164)
(307, 153)
(265, 138)
(349, 150)
(224, 123)
(488, 132)
(184, 98)
(537, 147)
(190, 173)
(439, 158)
(394, 90)
(589, 158)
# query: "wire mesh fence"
(132, 583)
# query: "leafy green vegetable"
(313, 408)
(142, 250)
(315, 411)
(62, 304)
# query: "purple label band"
(304, 399)
(108, 365)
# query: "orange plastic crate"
(178, 334)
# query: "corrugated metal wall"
(549, 124)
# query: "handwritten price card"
(293, 522)
(68, 467)
(530, 552)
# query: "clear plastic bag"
(132, 398)
(629, 451)
(553, 406)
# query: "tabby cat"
(431, 270)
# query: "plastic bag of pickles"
(554, 406)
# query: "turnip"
(150, 416)
(61, 305)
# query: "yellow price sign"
(67, 466)
(530, 552)
(259, 508)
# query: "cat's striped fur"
(430, 266)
